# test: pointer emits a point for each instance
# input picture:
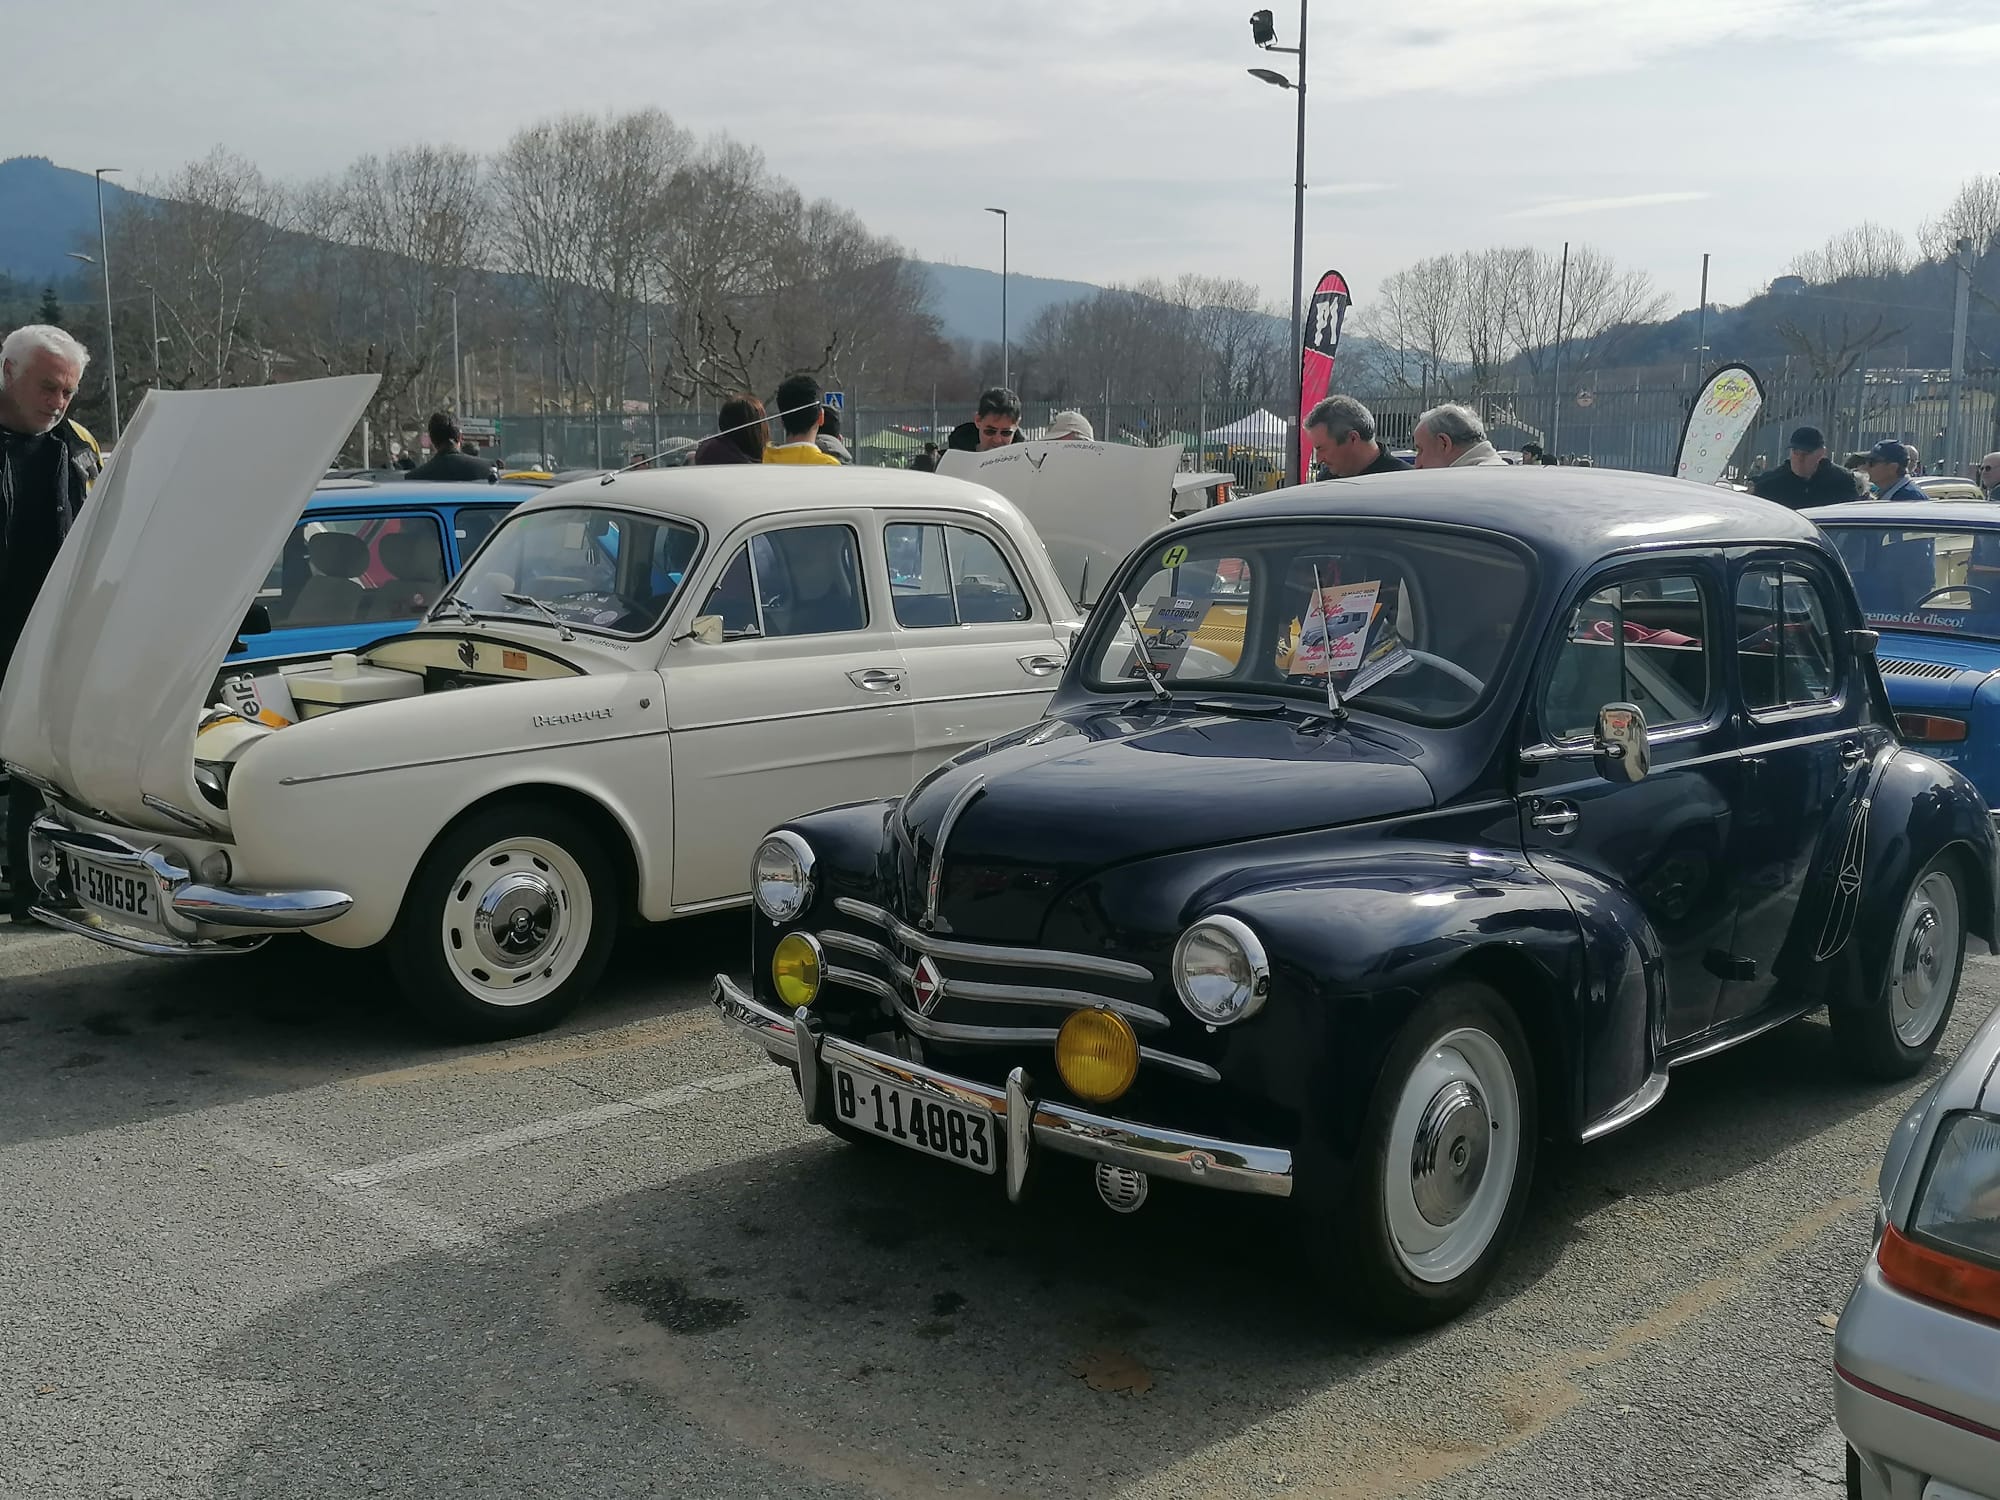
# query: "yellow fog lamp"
(1097, 1055)
(796, 966)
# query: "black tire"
(1359, 1229)
(1885, 1037)
(426, 956)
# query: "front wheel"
(1448, 1153)
(508, 922)
(1894, 1034)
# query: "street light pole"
(457, 370)
(1701, 323)
(1555, 394)
(110, 337)
(1261, 32)
(1006, 369)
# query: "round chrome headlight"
(1220, 970)
(782, 876)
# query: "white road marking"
(390, 1210)
(494, 1141)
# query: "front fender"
(1356, 943)
(353, 800)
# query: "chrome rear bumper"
(194, 917)
(1022, 1122)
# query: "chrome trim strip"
(721, 903)
(1029, 994)
(1175, 1064)
(855, 979)
(848, 942)
(1025, 1124)
(986, 953)
(1713, 1045)
(974, 1036)
(1649, 1093)
(857, 708)
(187, 820)
(88, 925)
(457, 760)
(959, 803)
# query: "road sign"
(478, 427)
(1585, 398)
(835, 399)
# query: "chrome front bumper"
(195, 917)
(1024, 1123)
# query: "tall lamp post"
(103, 260)
(1006, 370)
(457, 369)
(1265, 34)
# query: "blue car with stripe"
(367, 560)
(1928, 578)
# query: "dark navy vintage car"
(1928, 578)
(1605, 784)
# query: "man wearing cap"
(1986, 474)
(1889, 472)
(1070, 427)
(1810, 478)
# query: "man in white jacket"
(1452, 437)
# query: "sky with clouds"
(1124, 138)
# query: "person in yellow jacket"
(800, 411)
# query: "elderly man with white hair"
(46, 464)
(1452, 437)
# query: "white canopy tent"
(1261, 429)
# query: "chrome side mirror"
(707, 629)
(1623, 752)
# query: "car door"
(1807, 740)
(1650, 852)
(982, 653)
(799, 700)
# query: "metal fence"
(1629, 420)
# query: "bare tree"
(1585, 313)
(1867, 251)
(1974, 214)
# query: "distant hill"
(967, 300)
(46, 211)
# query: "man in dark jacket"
(1342, 432)
(46, 465)
(997, 424)
(446, 462)
(1811, 478)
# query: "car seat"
(416, 565)
(333, 595)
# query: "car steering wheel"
(1450, 669)
(1955, 588)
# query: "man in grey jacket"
(1453, 437)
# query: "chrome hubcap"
(517, 921)
(1452, 1148)
(1926, 958)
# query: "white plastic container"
(348, 682)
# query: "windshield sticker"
(1173, 557)
(1169, 630)
(1175, 614)
(1334, 631)
(1386, 657)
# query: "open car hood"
(152, 584)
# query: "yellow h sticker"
(1175, 556)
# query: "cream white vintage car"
(628, 684)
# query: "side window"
(474, 524)
(357, 571)
(804, 580)
(1784, 646)
(1640, 641)
(948, 575)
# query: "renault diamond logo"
(927, 985)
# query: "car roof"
(723, 496)
(361, 495)
(1567, 514)
(1930, 514)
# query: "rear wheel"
(508, 923)
(1894, 1034)
(1448, 1154)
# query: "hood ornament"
(959, 803)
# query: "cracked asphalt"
(262, 1236)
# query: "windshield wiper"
(465, 615)
(561, 625)
(1140, 655)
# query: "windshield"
(1411, 623)
(1923, 577)
(606, 570)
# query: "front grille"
(1930, 670)
(886, 966)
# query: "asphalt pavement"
(261, 1235)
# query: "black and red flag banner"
(1319, 342)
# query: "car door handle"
(1852, 754)
(1041, 666)
(877, 679)
(1554, 817)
